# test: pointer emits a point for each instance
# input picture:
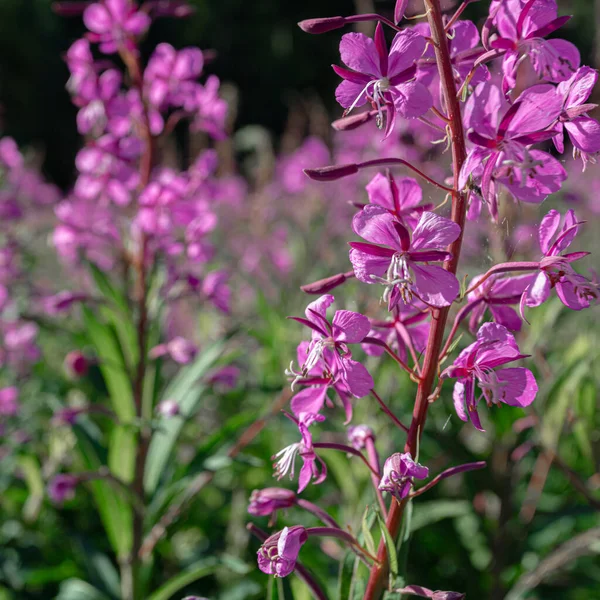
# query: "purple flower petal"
(584, 133)
(359, 381)
(350, 327)
(406, 48)
(434, 232)
(434, 285)
(548, 228)
(359, 53)
(518, 386)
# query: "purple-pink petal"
(350, 327)
(434, 232)
(359, 53)
(434, 285)
(518, 386)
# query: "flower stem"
(379, 571)
(449, 473)
(388, 412)
(347, 450)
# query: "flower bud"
(332, 172)
(67, 415)
(168, 408)
(76, 364)
(358, 436)
(265, 502)
(322, 25)
(278, 554)
(62, 488)
(353, 121)
(398, 473)
(329, 283)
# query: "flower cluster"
(444, 83)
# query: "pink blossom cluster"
(467, 94)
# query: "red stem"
(388, 412)
(378, 574)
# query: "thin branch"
(449, 473)
(388, 412)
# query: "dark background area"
(260, 50)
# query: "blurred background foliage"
(497, 533)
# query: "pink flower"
(502, 139)
(385, 79)
(182, 351)
(9, 401)
(114, 24)
(495, 347)
(329, 344)
(399, 470)
(522, 26)
(583, 131)
(574, 290)
(400, 196)
(170, 77)
(313, 467)
(269, 500)
(401, 263)
(278, 554)
(496, 294)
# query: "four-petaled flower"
(399, 470)
(278, 554)
(575, 291)
(522, 26)
(327, 359)
(583, 131)
(401, 263)
(494, 347)
(385, 79)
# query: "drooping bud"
(265, 502)
(76, 364)
(358, 436)
(399, 10)
(278, 555)
(322, 25)
(398, 473)
(332, 172)
(354, 121)
(325, 285)
(423, 592)
(62, 488)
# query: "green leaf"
(366, 532)
(186, 389)
(200, 569)
(390, 546)
(32, 474)
(76, 589)
(122, 446)
(426, 513)
(347, 574)
(113, 506)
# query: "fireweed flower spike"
(401, 262)
(384, 79)
(399, 470)
(574, 290)
(495, 347)
(584, 132)
(278, 555)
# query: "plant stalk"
(430, 368)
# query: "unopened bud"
(76, 364)
(324, 285)
(322, 25)
(332, 172)
(353, 121)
